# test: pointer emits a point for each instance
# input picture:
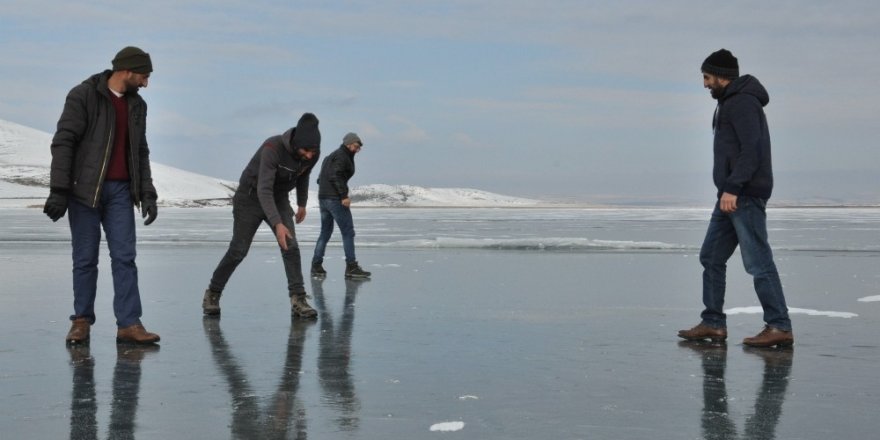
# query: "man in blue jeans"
(335, 204)
(743, 176)
(100, 170)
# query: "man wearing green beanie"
(100, 171)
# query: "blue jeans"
(116, 214)
(248, 215)
(747, 228)
(332, 209)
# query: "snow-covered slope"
(416, 196)
(24, 180)
(24, 174)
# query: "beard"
(717, 92)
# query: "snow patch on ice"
(447, 426)
(866, 299)
(811, 312)
(468, 397)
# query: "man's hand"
(149, 211)
(56, 205)
(282, 234)
(727, 203)
(300, 214)
(346, 202)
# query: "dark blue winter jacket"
(742, 140)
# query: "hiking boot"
(211, 303)
(354, 271)
(300, 307)
(318, 270)
(769, 337)
(79, 332)
(135, 334)
(703, 331)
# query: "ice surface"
(554, 343)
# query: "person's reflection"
(716, 421)
(768, 404)
(83, 405)
(248, 421)
(126, 390)
(334, 355)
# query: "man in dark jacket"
(100, 169)
(281, 164)
(743, 176)
(335, 203)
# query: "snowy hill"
(24, 174)
(24, 180)
(416, 196)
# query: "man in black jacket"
(743, 176)
(335, 203)
(281, 164)
(100, 169)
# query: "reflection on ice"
(126, 390)
(716, 419)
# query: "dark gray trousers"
(247, 216)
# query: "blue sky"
(564, 100)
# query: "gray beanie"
(351, 138)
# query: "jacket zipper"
(103, 168)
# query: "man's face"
(354, 147)
(715, 84)
(134, 81)
(306, 154)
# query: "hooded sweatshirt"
(275, 170)
(742, 164)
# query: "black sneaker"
(354, 271)
(318, 270)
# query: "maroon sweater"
(117, 169)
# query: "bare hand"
(346, 202)
(282, 234)
(300, 214)
(727, 203)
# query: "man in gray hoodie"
(743, 176)
(281, 164)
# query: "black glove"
(56, 205)
(148, 209)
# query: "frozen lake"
(478, 323)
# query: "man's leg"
(291, 257)
(85, 239)
(247, 217)
(326, 232)
(750, 221)
(119, 228)
(343, 218)
(718, 246)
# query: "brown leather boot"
(211, 303)
(79, 332)
(769, 337)
(135, 334)
(702, 331)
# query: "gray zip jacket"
(83, 142)
(273, 172)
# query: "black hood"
(748, 85)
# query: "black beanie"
(133, 59)
(306, 135)
(721, 63)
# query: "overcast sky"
(570, 100)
